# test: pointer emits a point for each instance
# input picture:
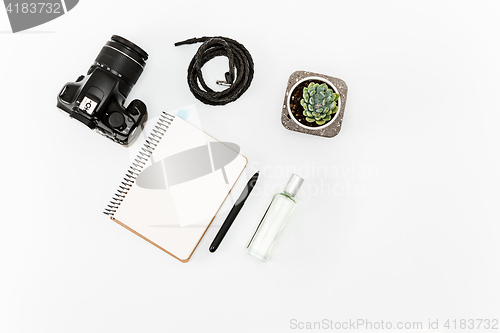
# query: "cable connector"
(228, 82)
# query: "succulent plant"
(319, 102)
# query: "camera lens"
(123, 58)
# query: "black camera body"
(97, 99)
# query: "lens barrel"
(123, 58)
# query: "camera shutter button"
(116, 120)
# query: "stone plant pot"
(291, 115)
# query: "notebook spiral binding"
(140, 161)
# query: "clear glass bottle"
(274, 220)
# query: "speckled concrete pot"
(328, 130)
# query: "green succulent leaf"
(319, 103)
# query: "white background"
(402, 227)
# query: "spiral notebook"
(175, 186)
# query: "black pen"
(233, 213)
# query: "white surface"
(398, 216)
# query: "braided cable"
(240, 61)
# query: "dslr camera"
(97, 99)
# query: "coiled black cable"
(239, 60)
